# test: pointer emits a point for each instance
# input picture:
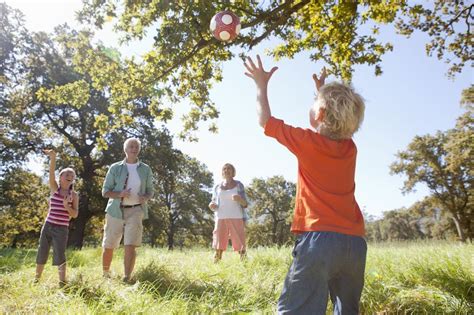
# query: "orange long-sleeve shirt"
(325, 189)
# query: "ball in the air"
(225, 26)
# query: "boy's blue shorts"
(325, 263)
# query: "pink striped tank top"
(57, 213)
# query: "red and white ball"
(225, 26)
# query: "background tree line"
(179, 215)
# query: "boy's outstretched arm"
(319, 82)
(261, 78)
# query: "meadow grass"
(401, 278)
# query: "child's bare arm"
(53, 185)
(261, 78)
(319, 82)
(74, 209)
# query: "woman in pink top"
(228, 203)
(63, 205)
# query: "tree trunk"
(171, 234)
(171, 240)
(14, 242)
(274, 232)
(281, 235)
(466, 225)
(457, 222)
(153, 240)
(78, 225)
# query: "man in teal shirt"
(128, 185)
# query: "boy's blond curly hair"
(343, 110)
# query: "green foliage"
(467, 96)
(448, 24)
(23, 207)
(84, 100)
(398, 225)
(187, 203)
(271, 205)
(443, 162)
(425, 219)
(13, 35)
(343, 34)
(413, 278)
(178, 211)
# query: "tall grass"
(401, 278)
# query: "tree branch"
(280, 21)
(454, 19)
(183, 60)
(61, 130)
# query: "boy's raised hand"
(257, 73)
(319, 82)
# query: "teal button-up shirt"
(115, 181)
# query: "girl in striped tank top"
(63, 205)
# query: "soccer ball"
(225, 26)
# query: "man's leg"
(113, 231)
(133, 233)
(129, 261)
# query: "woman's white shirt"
(228, 208)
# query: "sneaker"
(107, 274)
(62, 284)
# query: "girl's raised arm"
(53, 185)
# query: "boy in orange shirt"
(330, 251)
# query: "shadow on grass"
(91, 293)
(219, 294)
(12, 259)
(159, 280)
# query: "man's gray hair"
(131, 140)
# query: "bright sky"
(412, 97)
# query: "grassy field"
(401, 278)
